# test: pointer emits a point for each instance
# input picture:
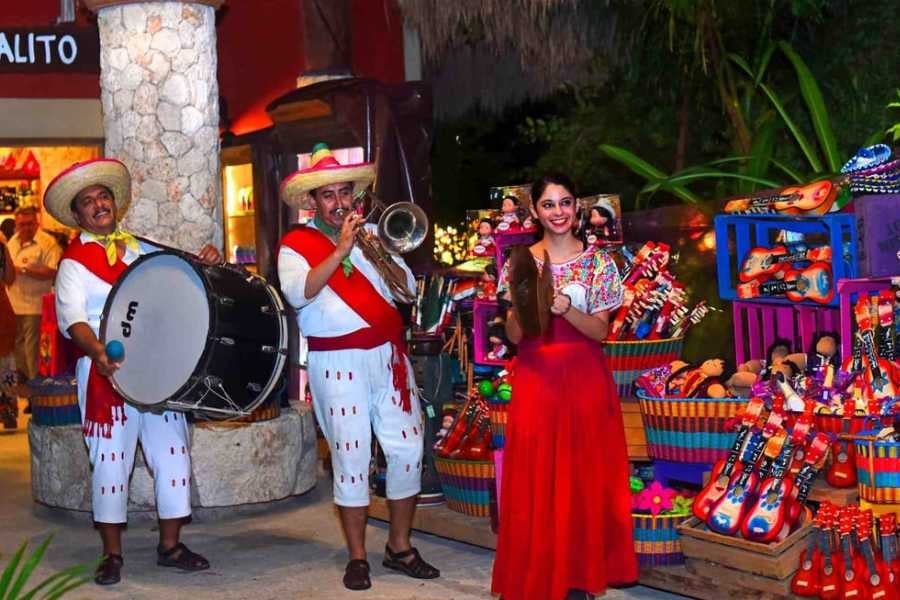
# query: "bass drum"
(198, 338)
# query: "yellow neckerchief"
(109, 243)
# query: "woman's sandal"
(109, 571)
(416, 568)
(180, 557)
(356, 575)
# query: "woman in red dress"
(565, 522)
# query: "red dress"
(565, 512)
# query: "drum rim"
(204, 356)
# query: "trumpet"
(402, 227)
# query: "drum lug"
(225, 300)
(254, 387)
(225, 341)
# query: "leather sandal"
(356, 575)
(109, 571)
(180, 557)
(417, 568)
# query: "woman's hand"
(561, 304)
(210, 255)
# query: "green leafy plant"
(760, 168)
(894, 130)
(16, 574)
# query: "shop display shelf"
(757, 325)
(483, 312)
(736, 235)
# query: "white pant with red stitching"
(164, 439)
(353, 394)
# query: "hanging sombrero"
(100, 171)
(324, 169)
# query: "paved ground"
(292, 549)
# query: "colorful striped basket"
(688, 429)
(467, 484)
(499, 415)
(877, 468)
(656, 539)
(54, 401)
(629, 359)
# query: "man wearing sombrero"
(91, 196)
(359, 374)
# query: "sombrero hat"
(100, 171)
(324, 169)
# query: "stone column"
(161, 114)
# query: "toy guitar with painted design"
(812, 283)
(842, 472)
(726, 515)
(816, 452)
(887, 327)
(631, 293)
(887, 526)
(878, 370)
(458, 429)
(727, 469)
(813, 199)
(763, 262)
(829, 581)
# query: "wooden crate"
(635, 438)
(708, 581)
(775, 561)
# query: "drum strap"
(385, 323)
(103, 405)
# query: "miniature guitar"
(878, 586)
(812, 283)
(887, 330)
(878, 370)
(829, 582)
(631, 293)
(805, 581)
(852, 587)
(458, 429)
(816, 453)
(842, 472)
(765, 517)
(726, 469)
(815, 198)
(761, 262)
(728, 513)
(700, 310)
(887, 526)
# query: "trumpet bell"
(402, 227)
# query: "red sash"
(103, 405)
(385, 323)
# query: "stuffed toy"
(707, 380)
(496, 335)
(779, 359)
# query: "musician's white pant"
(353, 394)
(164, 439)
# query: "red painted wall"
(377, 30)
(43, 13)
(260, 47)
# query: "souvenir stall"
(775, 475)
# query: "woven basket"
(629, 359)
(499, 415)
(689, 430)
(877, 468)
(54, 402)
(467, 484)
(656, 540)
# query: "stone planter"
(231, 466)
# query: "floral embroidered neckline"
(578, 256)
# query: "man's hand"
(352, 223)
(210, 255)
(104, 365)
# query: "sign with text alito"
(50, 50)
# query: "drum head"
(160, 312)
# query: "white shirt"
(25, 292)
(81, 295)
(325, 314)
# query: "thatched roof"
(494, 53)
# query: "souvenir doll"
(487, 285)
(509, 215)
(708, 380)
(497, 339)
(484, 245)
(601, 223)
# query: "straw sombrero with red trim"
(324, 169)
(100, 171)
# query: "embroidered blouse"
(590, 279)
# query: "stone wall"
(161, 117)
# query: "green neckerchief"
(333, 233)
